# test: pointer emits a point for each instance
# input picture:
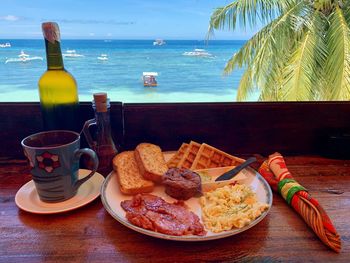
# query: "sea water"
(181, 78)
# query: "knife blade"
(228, 175)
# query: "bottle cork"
(51, 31)
(100, 101)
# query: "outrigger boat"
(149, 79)
(159, 42)
(5, 45)
(71, 54)
(23, 57)
(103, 57)
(198, 52)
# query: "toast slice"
(131, 181)
(150, 160)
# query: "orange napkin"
(276, 173)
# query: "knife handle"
(228, 175)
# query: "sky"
(118, 19)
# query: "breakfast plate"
(111, 198)
(27, 197)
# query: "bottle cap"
(100, 100)
(51, 31)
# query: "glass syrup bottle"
(103, 145)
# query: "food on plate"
(205, 177)
(230, 206)
(208, 177)
(189, 156)
(150, 160)
(130, 179)
(211, 157)
(154, 213)
(181, 183)
(197, 156)
(177, 156)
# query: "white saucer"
(28, 200)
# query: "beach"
(180, 78)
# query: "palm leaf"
(245, 12)
(257, 46)
(338, 63)
(264, 50)
(245, 86)
(272, 84)
(302, 75)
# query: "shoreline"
(146, 96)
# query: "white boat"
(5, 45)
(149, 79)
(198, 52)
(103, 57)
(71, 54)
(23, 57)
(159, 42)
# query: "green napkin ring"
(288, 187)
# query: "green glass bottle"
(57, 88)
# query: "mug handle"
(93, 155)
(87, 133)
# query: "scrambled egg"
(230, 206)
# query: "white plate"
(27, 197)
(111, 198)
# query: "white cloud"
(10, 18)
(109, 34)
(91, 34)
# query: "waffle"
(189, 156)
(210, 157)
(177, 156)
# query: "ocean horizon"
(181, 78)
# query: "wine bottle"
(57, 88)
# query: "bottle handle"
(93, 155)
(87, 133)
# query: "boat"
(103, 57)
(23, 57)
(198, 52)
(149, 79)
(159, 42)
(5, 45)
(71, 54)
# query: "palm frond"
(338, 63)
(246, 85)
(271, 85)
(303, 72)
(245, 12)
(256, 47)
(303, 53)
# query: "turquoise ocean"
(181, 78)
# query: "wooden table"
(90, 234)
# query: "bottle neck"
(102, 118)
(53, 55)
(103, 125)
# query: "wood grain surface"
(19, 120)
(90, 234)
(256, 127)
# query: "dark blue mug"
(54, 160)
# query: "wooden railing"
(244, 128)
